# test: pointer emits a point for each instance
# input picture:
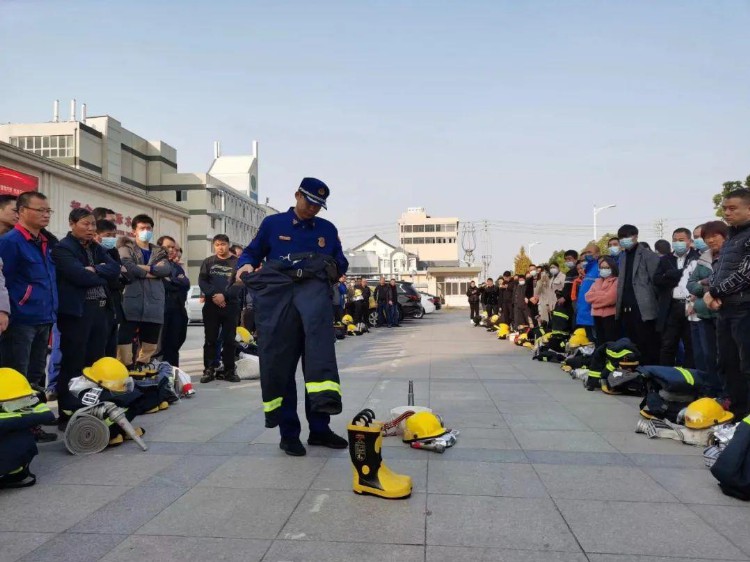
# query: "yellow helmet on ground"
(13, 385)
(109, 373)
(495, 319)
(347, 319)
(423, 425)
(502, 331)
(706, 412)
(579, 338)
(351, 328)
(243, 335)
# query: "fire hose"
(88, 433)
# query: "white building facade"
(222, 201)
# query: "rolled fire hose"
(87, 433)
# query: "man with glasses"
(31, 282)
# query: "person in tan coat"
(602, 296)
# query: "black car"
(409, 301)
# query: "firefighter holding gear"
(20, 411)
(294, 317)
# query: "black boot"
(208, 375)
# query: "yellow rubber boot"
(125, 354)
(371, 475)
(146, 352)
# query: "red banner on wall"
(13, 182)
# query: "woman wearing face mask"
(584, 318)
(83, 271)
(602, 296)
(521, 315)
(544, 293)
(713, 236)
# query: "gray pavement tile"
(573, 458)
(187, 549)
(467, 405)
(481, 438)
(53, 508)
(168, 448)
(349, 517)
(667, 461)
(554, 421)
(213, 448)
(272, 450)
(516, 392)
(337, 473)
(631, 558)
(265, 473)
(16, 544)
(462, 453)
(464, 554)
(186, 472)
(519, 523)
(656, 529)
(692, 486)
(226, 512)
(601, 483)
(731, 521)
(485, 479)
(130, 511)
(112, 467)
(540, 407)
(631, 442)
(197, 424)
(548, 440)
(465, 420)
(309, 551)
(74, 547)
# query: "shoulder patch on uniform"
(286, 238)
(322, 242)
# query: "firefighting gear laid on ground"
(20, 411)
(370, 474)
(669, 390)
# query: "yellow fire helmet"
(579, 338)
(13, 385)
(706, 412)
(495, 318)
(503, 330)
(423, 425)
(351, 328)
(109, 373)
(243, 335)
(347, 319)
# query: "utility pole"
(531, 245)
(487, 249)
(596, 212)
(659, 228)
(468, 242)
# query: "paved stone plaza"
(543, 471)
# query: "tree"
(558, 257)
(727, 187)
(521, 262)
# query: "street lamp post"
(598, 210)
(531, 245)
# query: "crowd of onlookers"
(355, 298)
(94, 294)
(684, 303)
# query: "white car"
(427, 304)
(194, 304)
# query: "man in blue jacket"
(584, 317)
(31, 282)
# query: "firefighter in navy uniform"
(294, 317)
(20, 411)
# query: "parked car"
(194, 304)
(409, 301)
(427, 304)
(436, 301)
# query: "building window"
(54, 146)
(463, 288)
(439, 228)
(407, 241)
(181, 195)
(450, 228)
(429, 228)
(406, 228)
(418, 228)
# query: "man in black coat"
(490, 297)
(473, 293)
(672, 321)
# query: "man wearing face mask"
(584, 318)
(143, 300)
(571, 260)
(672, 321)
(106, 236)
(637, 306)
(613, 248)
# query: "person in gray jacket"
(637, 307)
(143, 299)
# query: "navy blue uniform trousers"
(294, 320)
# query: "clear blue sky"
(503, 110)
